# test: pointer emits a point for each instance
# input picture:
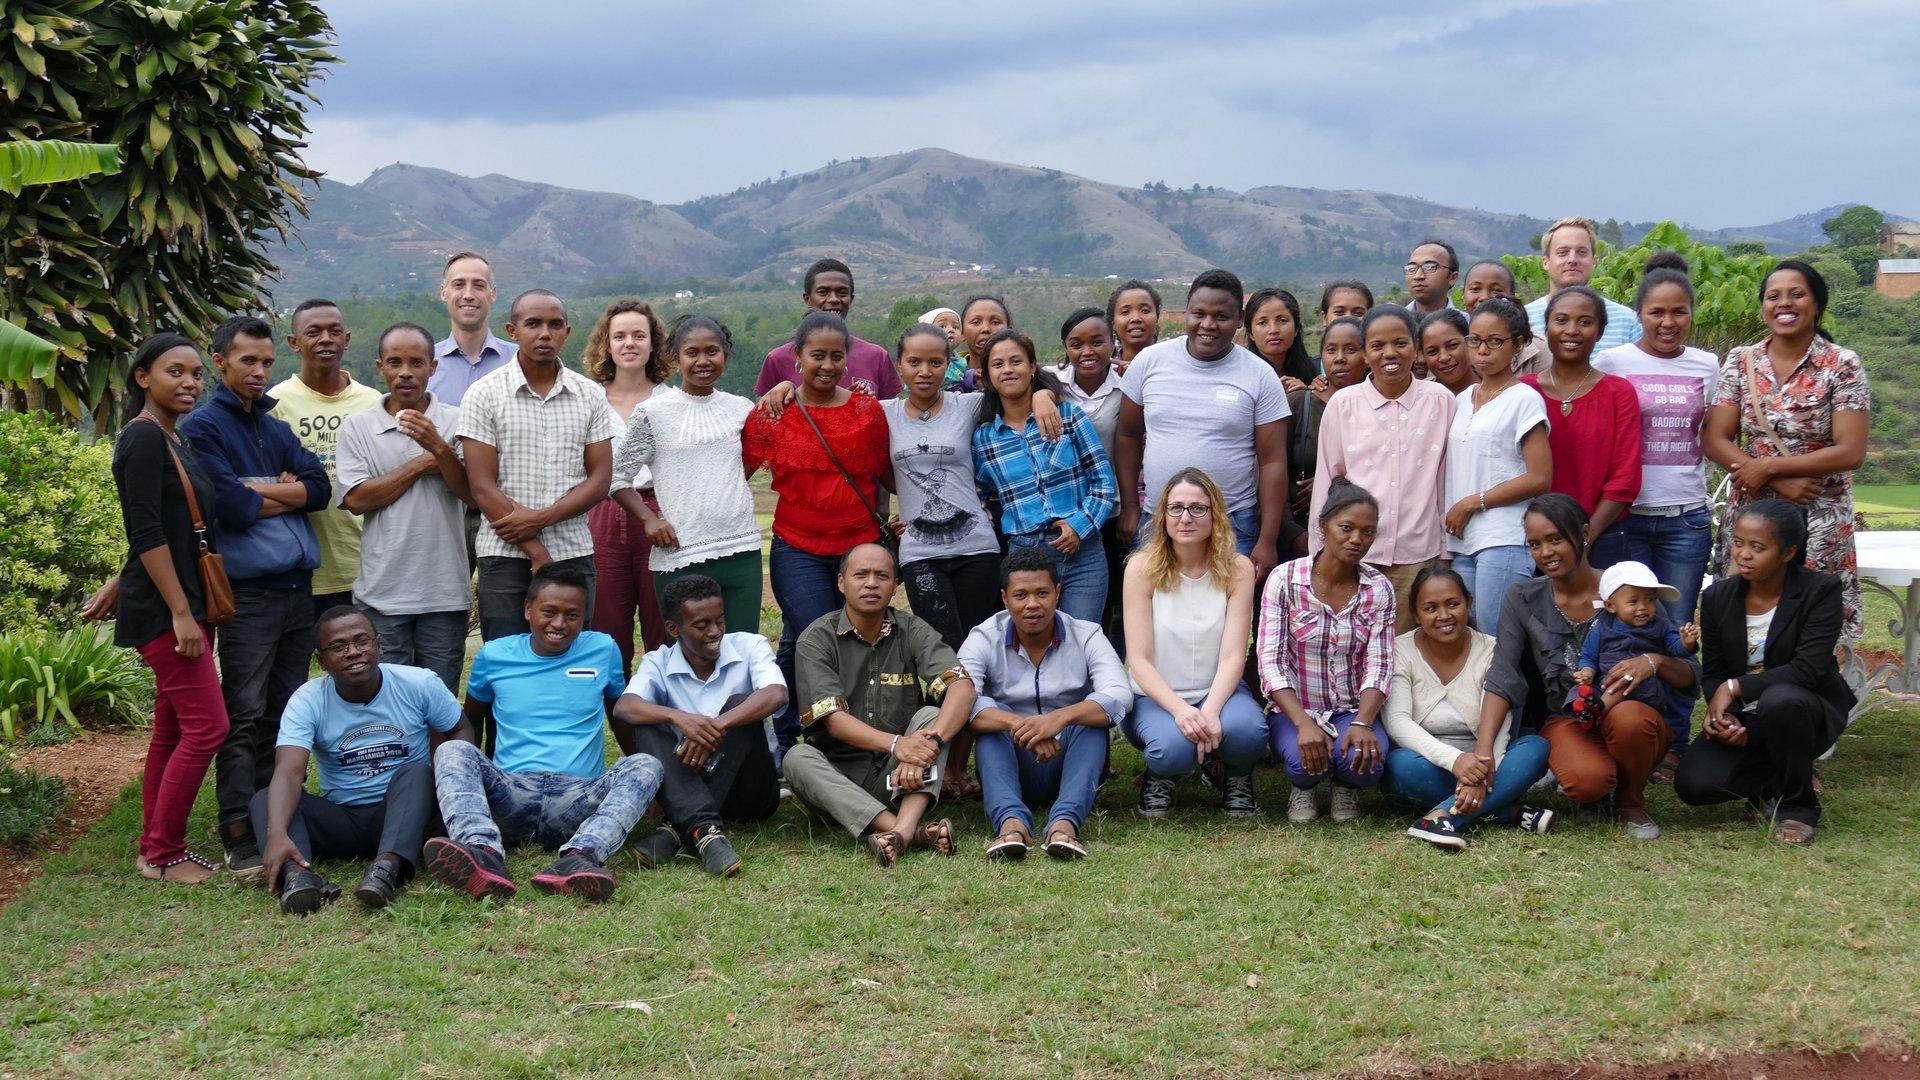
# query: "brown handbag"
(216, 593)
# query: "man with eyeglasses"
(1432, 271)
(370, 727)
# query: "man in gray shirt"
(1049, 688)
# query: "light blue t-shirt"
(357, 747)
(549, 712)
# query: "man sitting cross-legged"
(696, 705)
(368, 726)
(548, 695)
(1050, 687)
(872, 736)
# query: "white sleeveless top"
(1187, 623)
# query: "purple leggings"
(1286, 745)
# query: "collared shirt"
(1079, 666)
(1327, 657)
(745, 666)
(1395, 448)
(881, 684)
(1414, 306)
(458, 372)
(1102, 404)
(413, 551)
(541, 444)
(1040, 481)
(1623, 326)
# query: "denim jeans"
(435, 640)
(502, 593)
(1489, 573)
(1416, 785)
(1246, 529)
(806, 586)
(1678, 549)
(487, 807)
(1170, 755)
(263, 659)
(1286, 747)
(1083, 575)
(1013, 781)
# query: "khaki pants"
(1401, 576)
(850, 786)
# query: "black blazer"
(1800, 644)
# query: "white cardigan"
(1417, 690)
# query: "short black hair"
(513, 309)
(841, 567)
(336, 613)
(380, 346)
(1393, 313)
(682, 591)
(1326, 294)
(1512, 284)
(818, 322)
(309, 305)
(825, 266)
(566, 577)
(1223, 280)
(1029, 560)
(986, 298)
(1127, 286)
(234, 326)
(1453, 260)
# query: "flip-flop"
(1065, 846)
(1663, 772)
(960, 788)
(1010, 846)
(886, 847)
(1795, 833)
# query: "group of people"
(1457, 558)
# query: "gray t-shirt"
(1203, 414)
(413, 551)
(933, 467)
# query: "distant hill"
(929, 213)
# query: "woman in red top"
(819, 515)
(1593, 419)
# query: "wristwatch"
(938, 742)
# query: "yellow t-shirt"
(315, 419)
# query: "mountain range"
(925, 213)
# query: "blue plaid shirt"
(1039, 481)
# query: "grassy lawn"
(1887, 498)
(1186, 947)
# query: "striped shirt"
(1040, 481)
(541, 444)
(1328, 657)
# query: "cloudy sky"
(1714, 112)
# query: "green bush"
(29, 805)
(78, 676)
(60, 532)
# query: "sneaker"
(478, 870)
(1534, 819)
(657, 850)
(1438, 830)
(574, 873)
(716, 854)
(245, 864)
(1346, 803)
(302, 892)
(1237, 800)
(379, 885)
(1302, 806)
(1156, 797)
(1644, 830)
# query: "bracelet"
(938, 742)
(894, 745)
(1483, 502)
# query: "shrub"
(78, 676)
(29, 805)
(60, 532)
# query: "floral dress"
(1827, 380)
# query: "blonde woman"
(1187, 597)
(627, 354)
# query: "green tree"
(24, 358)
(207, 102)
(904, 313)
(1746, 247)
(1857, 226)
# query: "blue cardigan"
(236, 444)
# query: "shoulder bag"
(887, 538)
(216, 593)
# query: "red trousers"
(622, 583)
(189, 724)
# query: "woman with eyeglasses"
(1497, 461)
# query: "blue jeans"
(1416, 785)
(806, 586)
(1170, 755)
(1083, 575)
(435, 640)
(487, 807)
(1489, 573)
(1246, 529)
(1286, 747)
(1013, 780)
(1678, 549)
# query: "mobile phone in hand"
(929, 776)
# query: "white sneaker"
(1301, 805)
(1346, 803)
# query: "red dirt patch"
(96, 766)
(1869, 1065)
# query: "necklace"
(1566, 403)
(927, 413)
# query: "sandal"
(153, 871)
(1062, 844)
(938, 836)
(1011, 845)
(1663, 772)
(886, 847)
(1796, 833)
(960, 788)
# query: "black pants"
(741, 786)
(264, 654)
(1786, 730)
(322, 602)
(953, 594)
(327, 830)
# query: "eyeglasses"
(1474, 341)
(353, 644)
(1428, 267)
(1189, 510)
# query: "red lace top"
(817, 511)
